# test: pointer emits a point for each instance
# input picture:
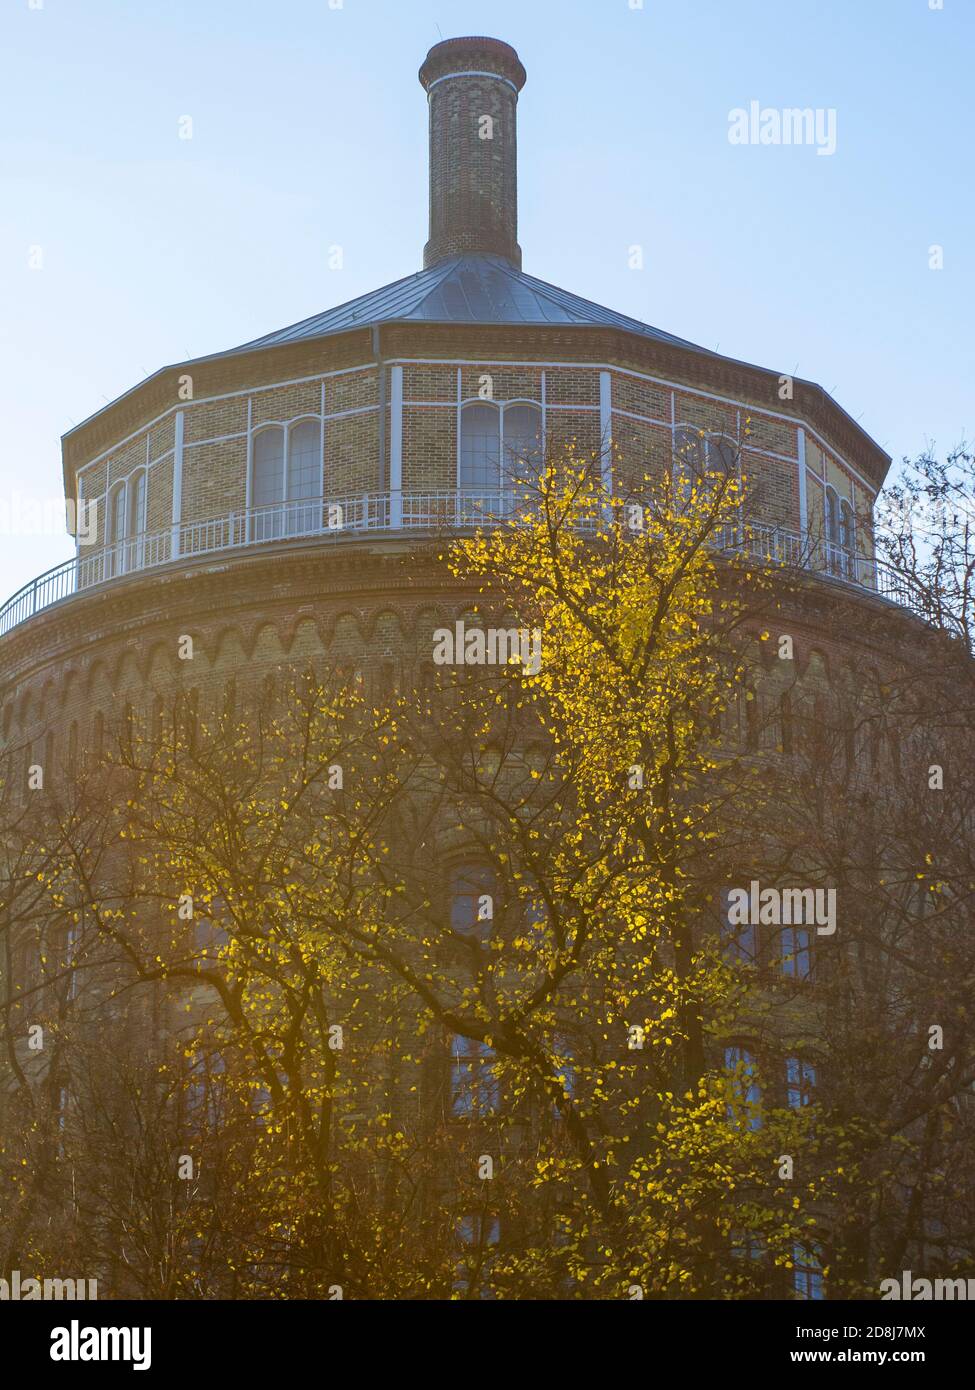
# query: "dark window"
(739, 941)
(785, 719)
(745, 1093)
(472, 901)
(800, 1081)
(477, 1236)
(807, 1271)
(796, 952)
(474, 1089)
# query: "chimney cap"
(472, 55)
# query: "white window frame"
(281, 507)
(708, 438)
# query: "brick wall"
(216, 447)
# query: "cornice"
(362, 576)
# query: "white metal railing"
(455, 509)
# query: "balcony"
(391, 513)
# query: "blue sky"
(309, 130)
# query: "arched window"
(521, 433)
(267, 484)
(117, 512)
(722, 455)
(796, 952)
(745, 1095)
(137, 502)
(535, 917)
(800, 1082)
(831, 520)
(840, 526)
(807, 1271)
(304, 477)
(480, 447)
(472, 904)
(136, 525)
(474, 1089)
(847, 539)
(565, 1071)
(699, 456)
(501, 451)
(739, 940)
(478, 1233)
(116, 530)
(689, 453)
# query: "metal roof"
(464, 289)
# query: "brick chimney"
(472, 87)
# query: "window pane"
(474, 1088)
(746, 1095)
(807, 1276)
(522, 443)
(565, 1070)
(268, 468)
(304, 477)
(137, 490)
(800, 1082)
(116, 559)
(471, 901)
(480, 447)
(267, 484)
(739, 942)
(477, 1233)
(796, 952)
(846, 524)
(118, 514)
(722, 455)
(689, 452)
(304, 461)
